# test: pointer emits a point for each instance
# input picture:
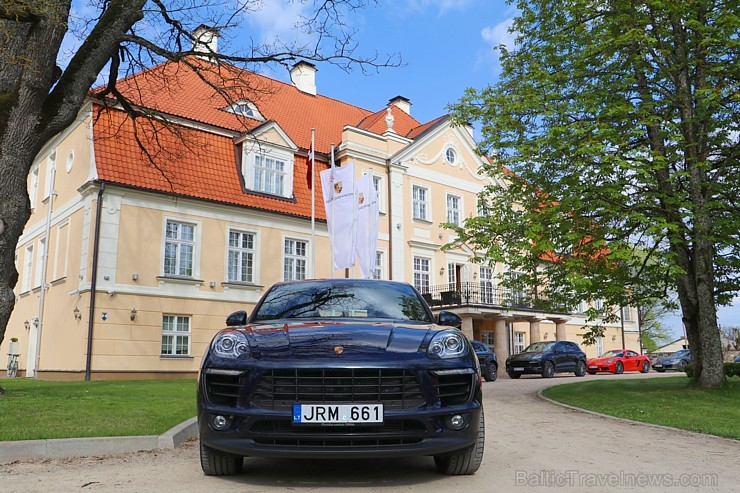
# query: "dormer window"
(267, 169)
(245, 108)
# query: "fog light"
(457, 422)
(220, 423)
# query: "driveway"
(531, 445)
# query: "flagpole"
(370, 230)
(312, 158)
(331, 206)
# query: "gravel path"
(531, 445)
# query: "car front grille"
(280, 432)
(453, 389)
(223, 389)
(281, 388)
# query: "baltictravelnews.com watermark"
(573, 478)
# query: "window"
(454, 211)
(599, 304)
(420, 203)
(486, 337)
(175, 335)
(486, 285)
(599, 346)
(269, 175)
(60, 268)
(294, 260)
(245, 108)
(179, 248)
(450, 155)
(33, 187)
(241, 257)
(40, 253)
(378, 271)
(27, 268)
(379, 192)
(626, 314)
(421, 274)
(48, 185)
(518, 342)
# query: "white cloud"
(500, 34)
(442, 6)
(277, 19)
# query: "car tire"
(215, 463)
(513, 375)
(548, 370)
(592, 373)
(467, 461)
(580, 369)
(491, 372)
(645, 367)
(681, 366)
(618, 368)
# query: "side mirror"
(237, 318)
(449, 319)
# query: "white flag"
(367, 225)
(338, 186)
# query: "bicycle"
(13, 365)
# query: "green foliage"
(732, 369)
(614, 131)
(673, 401)
(689, 369)
(33, 409)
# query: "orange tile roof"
(203, 164)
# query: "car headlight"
(230, 344)
(447, 344)
(610, 360)
(536, 357)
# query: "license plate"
(337, 413)
(518, 369)
(659, 366)
(593, 367)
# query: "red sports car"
(618, 361)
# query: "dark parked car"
(676, 361)
(338, 369)
(547, 359)
(487, 360)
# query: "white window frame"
(417, 204)
(518, 342)
(451, 151)
(195, 242)
(486, 278)
(457, 221)
(599, 346)
(241, 251)
(33, 186)
(40, 252)
(252, 151)
(176, 334)
(626, 314)
(417, 270)
(296, 258)
(61, 262)
(487, 338)
(27, 268)
(50, 163)
(379, 270)
(236, 108)
(380, 191)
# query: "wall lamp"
(441, 271)
(614, 338)
(27, 324)
(77, 313)
(133, 314)
(545, 337)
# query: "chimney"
(205, 40)
(404, 104)
(303, 75)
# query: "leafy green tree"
(614, 132)
(39, 98)
(654, 333)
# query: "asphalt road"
(531, 445)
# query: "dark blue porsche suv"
(340, 368)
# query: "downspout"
(94, 282)
(390, 220)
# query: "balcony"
(481, 294)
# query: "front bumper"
(524, 367)
(260, 418)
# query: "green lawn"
(666, 401)
(32, 409)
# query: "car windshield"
(539, 347)
(339, 298)
(683, 352)
(612, 354)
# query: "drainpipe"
(44, 268)
(94, 282)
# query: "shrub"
(731, 369)
(689, 369)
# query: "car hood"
(321, 339)
(598, 361)
(668, 359)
